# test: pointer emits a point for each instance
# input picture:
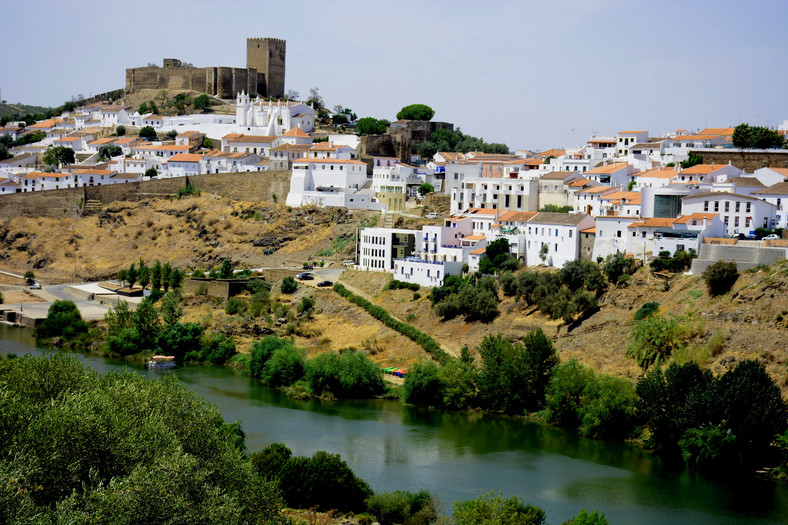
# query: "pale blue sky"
(523, 73)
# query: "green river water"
(459, 456)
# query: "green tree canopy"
(371, 126)
(201, 102)
(147, 132)
(746, 136)
(426, 188)
(56, 155)
(108, 151)
(416, 112)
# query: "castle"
(264, 73)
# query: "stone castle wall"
(747, 160)
(247, 186)
(267, 56)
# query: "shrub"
(179, 339)
(235, 306)
(63, 320)
(323, 481)
(489, 509)
(215, 348)
(404, 507)
(124, 343)
(262, 350)
(588, 518)
(284, 367)
(422, 386)
(654, 340)
(269, 461)
(609, 409)
(720, 277)
(647, 310)
(348, 374)
(288, 285)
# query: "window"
(736, 222)
(738, 207)
(716, 205)
(570, 234)
(618, 233)
(748, 207)
(727, 206)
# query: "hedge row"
(426, 342)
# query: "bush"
(647, 310)
(404, 507)
(262, 350)
(416, 112)
(588, 518)
(147, 132)
(235, 306)
(288, 285)
(348, 374)
(422, 386)
(284, 367)
(401, 285)
(491, 509)
(323, 481)
(270, 461)
(63, 320)
(124, 343)
(720, 277)
(655, 339)
(179, 339)
(215, 348)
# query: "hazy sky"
(530, 74)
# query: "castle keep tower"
(267, 56)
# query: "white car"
(433, 215)
(348, 262)
(772, 237)
(35, 286)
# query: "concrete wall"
(747, 160)
(744, 256)
(245, 186)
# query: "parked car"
(771, 237)
(305, 276)
(325, 284)
(348, 262)
(308, 266)
(35, 286)
(433, 215)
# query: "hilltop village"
(627, 192)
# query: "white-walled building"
(378, 248)
(273, 118)
(554, 238)
(627, 139)
(770, 176)
(183, 165)
(777, 195)
(330, 182)
(496, 193)
(740, 213)
(619, 174)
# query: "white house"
(655, 178)
(619, 174)
(687, 233)
(378, 248)
(330, 182)
(587, 200)
(612, 235)
(183, 165)
(777, 195)
(708, 173)
(496, 193)
(259, 144)
(627, 139)
(770, 176)
(740, 213)
(113, 115)
(554, 238)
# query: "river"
(460, 456)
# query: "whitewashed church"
(272, 118)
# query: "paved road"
(89, 309)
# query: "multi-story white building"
(619, 174)
(554, 238)
(740, 213)
(378, 248)
(331, 182)
(777, 195)
(496, 193)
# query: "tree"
(422, 386)
(655, 339)
(338, 119)
(63, 320)
(172, 134)
(146, 322)
(166, 274)
(143, 274)
(315, 100)
(371, 126)
(147, 132)
(119, 318)
(95, 437)
(324, 481)
(426, 188)
(132, 275)
(746, 136)
(226, 269)
(120, 130)
(427, 150)
(171, 310)
(288, 285)
(720, 277)
(692, 160)
(108, 151)
(492, 509)
(201, 102)
(556, 209)
(30, 276)
(155, 275)
(57, 155)
(416, 112)
(176, 276)
(292, 94)
(588, 518)
(151, 172)
(207, 143)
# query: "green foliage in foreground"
(390, 508)
(79, 447)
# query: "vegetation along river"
(459, 456)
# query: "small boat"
(162, 361)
